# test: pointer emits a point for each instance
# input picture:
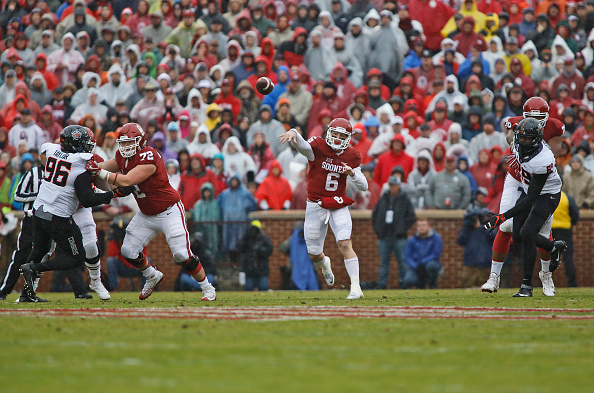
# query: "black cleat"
(24, 298)
(558, 250)
(29, 276)
(83, 296)
(2, 296)
(525, 291)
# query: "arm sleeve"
(359, 179)
(86, 194)
(303, 147)
(536, 184)
(22, 194)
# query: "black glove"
(494, 221)
(120, 192)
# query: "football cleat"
(97, 286)
(209, 293)
(356, 293)
(548, 286)
(83, 296)
(492, 284)
(24, 298)
(150, 284)
(327, 271)
(525, 291)
(559, 248)
(2, 296)
(29, 276)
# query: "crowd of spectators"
(426, 84)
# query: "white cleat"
(492, 284)
(97, 286)
(548, 287)
(327, 271)
(150, 284)
(356, 293)
(209, 293)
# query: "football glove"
(120, 192)
(494, 221)
(93, 167)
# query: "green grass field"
(453, 354)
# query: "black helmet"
(528, 138)
(76, 139)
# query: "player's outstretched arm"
(300, 144)
(109, 165)
(83, 186)
(136, 176)
(357, 177)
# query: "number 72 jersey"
(155, 194)
(326, 176)
(57, 194)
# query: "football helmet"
(92, 142)
(537, 108)
(75, 139)
(131, 132)
(342, 126)
(528, 138)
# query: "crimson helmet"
(344, 127)
(131, 132)
(92, 142)
(537, 108)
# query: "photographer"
(255, 247)
(477, 243)
(422, 255)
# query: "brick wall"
(279, 225)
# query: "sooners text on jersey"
(553, 128)
(326, 176)
(155, 194)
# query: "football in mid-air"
(264, 85)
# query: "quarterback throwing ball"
(330, 162)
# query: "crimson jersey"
(155, 194)
(553, 128)
(326, 177)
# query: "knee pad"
(91, 250)
(92, 261)
(192, 265)
(127, 251)
(137, 262)
(181, 257)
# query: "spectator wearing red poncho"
(192, 180)
(328, 100)
(274, 192)
(227, 100)
(141, 17)
(376, 75)
(467, 37)
(439, 122)
(262, 69)
(48, 125)
(433, 16)
(294, 49)
(571, 78)
(360, 142)
(484, 169)
(50, 78)
(395, 156)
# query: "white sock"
(545, 265)
(148, 272)
(496, 267)
(94, 270)
(35, 284)
(204, 283)
(352, 267)
(319, 263)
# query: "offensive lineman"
(553, 130)
(66, 185)
(330, 161)
(160, 207)
(541, 193)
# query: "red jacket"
(50, 78)
(230, 102)
(465, 41)
(190, 184)
(363, 145)
(274, 190)
(433, 16)
(388, 160)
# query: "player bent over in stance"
(540, 196)
(330, 162)
(538, 109)
(65, 186)
(161, 209)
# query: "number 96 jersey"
(326, 176)
(155, 194)
(57, 194)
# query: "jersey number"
(147, 155)
(57, 171)
(332, 182)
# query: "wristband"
(103, 174)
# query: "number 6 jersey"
(57, 194)
(155, 194)
(326, 176)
